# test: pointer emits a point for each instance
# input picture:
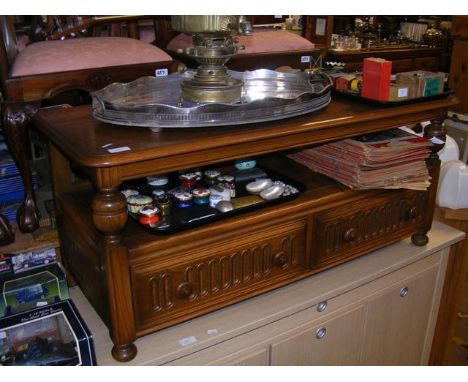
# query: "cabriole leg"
(16, 119)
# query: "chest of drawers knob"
(320, 333)
(322, 306)
(280, 259)
(413, 212)
(404, 292)
(350, 235)
(185, 290)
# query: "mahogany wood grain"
(140, 282)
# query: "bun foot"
(124, 353)
(419, 239)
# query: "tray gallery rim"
(267, 96)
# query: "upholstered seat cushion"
(261, 41)
(84, 53)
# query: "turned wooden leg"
(15, 123)
(437, 133)
(110, 216)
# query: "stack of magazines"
(389, 159)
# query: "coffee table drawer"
(347, 230)
(208, 277)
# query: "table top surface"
(87, 141)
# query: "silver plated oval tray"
(156, 102)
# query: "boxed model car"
(24, 261)
(48, 336)
(32, 289)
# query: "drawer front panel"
(346, 230)
(426, 63)
(402, 65)
(212, 276)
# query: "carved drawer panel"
(208, 277)
(348, 230)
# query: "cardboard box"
(421, 83)
(24, 261)
(376, 74)
(32, 289)
(398, 92)
(50, 336)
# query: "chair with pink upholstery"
(264, 49)
(45, 69)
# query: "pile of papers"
(389, 159)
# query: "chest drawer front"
(426, 63)
(209, 277)
(402, 65)
(344, 231)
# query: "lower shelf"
(174, 278)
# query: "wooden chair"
(266, 48)
(46, 69)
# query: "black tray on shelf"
(196, 215)
(357, 97)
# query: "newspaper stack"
(389, 159)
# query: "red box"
(376, 78)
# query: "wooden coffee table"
(140, 282)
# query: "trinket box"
(136, 202)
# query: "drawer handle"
(350, 235)
(320, 333)
(404, 292)
(185, 290)
(413, 212)
(322, 306)
(280, 259)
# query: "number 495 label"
(161, 72)
(305, 59)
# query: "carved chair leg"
(15, 123)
